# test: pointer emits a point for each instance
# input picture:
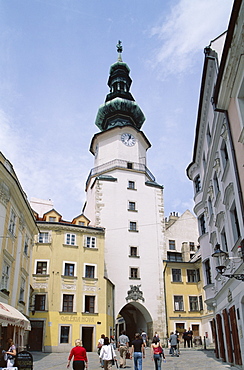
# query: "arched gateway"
(134, 317)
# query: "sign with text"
(24, 360)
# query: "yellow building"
(71, 298)
(17, 231)
(185, 299)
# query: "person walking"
(123, 346)
(78, 354)
(144, 338)
(10, 353)
(157, 353)
(173, 339)
(190, 335)
(107, 354)
(138, 350)
(185, 337)
(99, 346)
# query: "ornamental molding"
(229, 193)
(224, 132)
(135, 293)
(87, 288)
(4, 193)
(40, 285)
(68, 287)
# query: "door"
(87, 337)
(179, 326)
(195, 329)
(36, 336)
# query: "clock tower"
(124, 198)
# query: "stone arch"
(134, 317)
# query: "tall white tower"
(123, 197)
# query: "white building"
(123, 197)
(217, 173)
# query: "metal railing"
(119, 164)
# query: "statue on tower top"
(119, 50)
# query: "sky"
(54, 66)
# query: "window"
(40, 302)
(90, 304)
(5, 276)
(70, 239)
(224, 241)
(208, 272)
(133, 226)
(130, 165)
(68, 301)
(133, 252)
(12, 222)
(172, 245)
(197, 183)
(202, 224)
(208, 136)
(69, 269)
(43, 237)
(131, 184)
(41, 267)
(89, 271)
(224, 154)
(216, 184)
(90, 242)
(193, 300)
(176, 275)
(134, 273)
(64, 334)
(192, 247)
(210, 207)
(178, 303)
(52, 219)
(200, 303)
(22, 290)
(193, 276)
(26, 246)
(234, 223)
(81, 223)
(132, 206)
(174, 256)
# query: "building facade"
(17, 231)
(184, 293)
(217, 174)
(70, 296)
(124, 197)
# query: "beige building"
(17, 231)
(71, 298)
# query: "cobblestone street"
(189, 359)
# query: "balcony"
(119, 164)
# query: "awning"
(10, 316)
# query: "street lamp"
(222, 268)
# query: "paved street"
(189, 359)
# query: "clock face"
(128, 139)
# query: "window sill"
(132, 210)
(45, 243)
(69, 277)
(134, 256)
(131, 189)
(182, 311)
(90, 279)
(177, 282)
(70, 246)
(90, 313)
(91, 248)
(41, 275)
(5, 291)
(22, 302)
(67, 313)
(133, 231)
(133, 278)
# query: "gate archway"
(134, 318)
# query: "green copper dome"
(120, 108)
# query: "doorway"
(36, 336)
(87, 337)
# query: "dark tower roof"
(120, 108)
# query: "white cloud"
(189, 27)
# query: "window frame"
(65, 266)
(93, 268)
(193, 303)
(172, 246)
(90, 303)
(180, 302)
(92, 244)
(12, 222)
(131, 185)
(69, 334)
(45, 239)
(70, 305)
(70, 239)
(40, 304)
(134, 273)
(36, 265)
(176, 275)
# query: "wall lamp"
(218, 253)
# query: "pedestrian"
(185, 337)
(99, 346)
(138, 350)
(157, 353)
(173, 339)
(107, 354)
(190, 335)
(123, 346)
(10, 354)
(78, 354)
(144, 338)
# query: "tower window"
(133, 252)
(132, 206)
(133, 226)
(172, 245)
(131, 185)
(134, 273)
(130, 165)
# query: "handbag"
(127, 355)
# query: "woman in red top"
(78, 353)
